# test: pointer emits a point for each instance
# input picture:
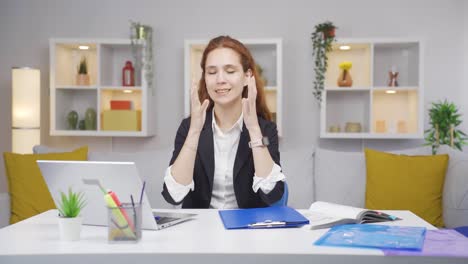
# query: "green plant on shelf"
(83, 66)
(444, 120)
(71, 204)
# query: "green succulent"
(322, 39)
(83, 66)
(71, 204)
(444, 120)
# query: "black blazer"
(203, 172)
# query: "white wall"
(26, 26)
(464, 85)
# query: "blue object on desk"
(267, 217)
(462, 230)
(284, 200)
(374, 236)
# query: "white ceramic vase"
(70, 228)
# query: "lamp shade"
(26, 109)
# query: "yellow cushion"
(400, 182)
(29, 194)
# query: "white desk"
(202, 240)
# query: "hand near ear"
(249, 107)
(198, 110)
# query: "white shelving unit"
(382, 112)
(106, 58)
(266, 52)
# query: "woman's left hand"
(249, 109)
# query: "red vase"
(128, 74)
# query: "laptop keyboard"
(165, 219)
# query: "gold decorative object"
(380, 126)
(334, 129)
(353, 127)
(402, 126)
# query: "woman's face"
(224, 76)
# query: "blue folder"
(267, 217)
(374, 236)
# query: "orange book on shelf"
(120, 105)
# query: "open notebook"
(325, 215)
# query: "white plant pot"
(70, 228)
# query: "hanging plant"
(142, 35)
(322, 39)
(444, 120)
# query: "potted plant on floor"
(82, 78)
(444, 120)
(322, 39)
(70, 220)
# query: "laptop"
(120, 177)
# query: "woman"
(226, 153)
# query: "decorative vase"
(345, 80)
(90, 119)
(70, 228)
(72, 120)
(81, 124)
(82, 79)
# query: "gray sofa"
(312, 175)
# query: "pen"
(142, 191)
(134, 211)
(267, 223)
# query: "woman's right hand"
(198, 110)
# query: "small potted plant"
(82, 78)
(70, 220)
(444, 120)
(322, 39)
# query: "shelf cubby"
(68, 100)
(403, 57)
(68, 57)
(359, 54)
(395, 113)
(347, 107)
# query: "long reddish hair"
(247, 63)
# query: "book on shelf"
(121, 105)
(325, 215)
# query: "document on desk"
(267, 217)
(374, 236)
(438, 243)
